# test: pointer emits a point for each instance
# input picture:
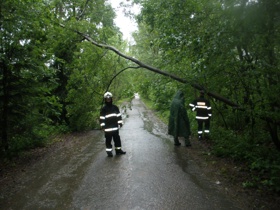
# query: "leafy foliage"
(25, 80)
(51, 79)
(228, 47)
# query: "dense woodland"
(52, 77)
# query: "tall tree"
(82, 72)
(222, 45)
(24, 87)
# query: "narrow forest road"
(152, 175)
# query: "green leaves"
(50, 77)
(229, 47)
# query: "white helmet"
(108, 95)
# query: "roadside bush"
(40, 136)
(250, 146)
(262, 160)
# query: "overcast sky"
(126, 25)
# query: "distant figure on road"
(110, 121)
(203, 114)
(179, 125)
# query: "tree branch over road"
(172, 76)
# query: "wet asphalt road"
(152, 175)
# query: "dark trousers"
(115, 136)
(206, 129)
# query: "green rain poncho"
(178, 125)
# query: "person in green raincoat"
(179, 125)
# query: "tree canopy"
(58, 57)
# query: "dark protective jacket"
(179, 125)
(110, 118)
(202, 107)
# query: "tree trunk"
(273, 130)
(4, 137)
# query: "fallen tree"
(172, 76)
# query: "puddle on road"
(153, 170)
(154, 126)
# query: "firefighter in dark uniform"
(203, 114)
(110, 122)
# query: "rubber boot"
(110, 154)
(207, 136)
(188, 144)
(176, 141)
(187, 141)
(120, 152)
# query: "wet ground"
(152, 175)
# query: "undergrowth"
(257, 154)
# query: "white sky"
(126, 24)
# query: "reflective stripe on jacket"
(110, 118)
(202, 107)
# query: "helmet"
(108, 95)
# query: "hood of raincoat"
(178, 124)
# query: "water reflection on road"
(152, 175)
